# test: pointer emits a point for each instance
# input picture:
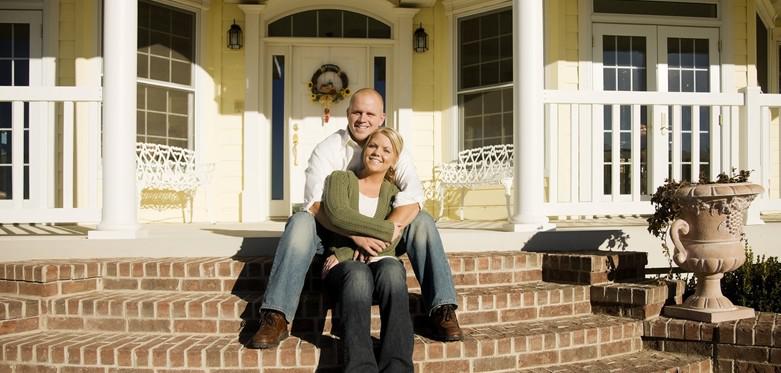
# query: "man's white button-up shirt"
(340, 152)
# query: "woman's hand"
(330, 262)
(369, 246)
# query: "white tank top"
(367, 206)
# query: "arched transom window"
(329, 23)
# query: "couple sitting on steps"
(362, 187)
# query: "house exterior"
(603, 99)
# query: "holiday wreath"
(328, 86)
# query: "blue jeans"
(299, 243)
(355, 285)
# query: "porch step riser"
(313, 282)
(17, 308)
(593, 267)
(19, 325)
(301, 324)
(502, 351)
(303, 363)
(36, 290)
(220, 267)
(221, 313)
(42, 280)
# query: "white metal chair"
(491, 164)
(170, 168)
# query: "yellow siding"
(226, 67)
(743, 41)
(423, 97)
(431, 94)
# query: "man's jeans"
(355, 285)
(299, 243)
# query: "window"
(277, 127)
(166, 50)
(624, 69)
(762, 64)
(485, 76)
(329, 23)
(14, 71)
(688, 65)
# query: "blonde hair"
(396, 142)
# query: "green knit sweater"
(340, 204)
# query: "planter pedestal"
(707, 240)
(717, 316)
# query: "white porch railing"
(769, 148)
(53, 128)
(577, 162)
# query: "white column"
(257, 141)
(119, 218)
(528, 86)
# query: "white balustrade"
(53, 179)
(576, 166)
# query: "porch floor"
(24, 242)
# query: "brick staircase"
(192, 314)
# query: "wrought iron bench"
(170, 169)
(491, 164)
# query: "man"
(299, 242)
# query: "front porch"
(195, 303)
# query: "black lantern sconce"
(420, 40)
(235, 37)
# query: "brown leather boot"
(444, 324)
(273, 329)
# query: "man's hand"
(368, 246)
(397, 229)
(330, 262)
(314, 209)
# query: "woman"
(359, 204)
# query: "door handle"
(294, 148)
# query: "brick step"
(18, 314)
(593, 267)
(18, 308)
(491, 348)
(647, 361)
(641, 300)
(223, 312)
(61, 277)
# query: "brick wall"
(748, 345)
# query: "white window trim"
(195, 132)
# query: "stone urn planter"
(707, 242)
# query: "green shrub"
(756, 284)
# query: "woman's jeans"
(355, 285)
(299, 243)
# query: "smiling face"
(379, 154)
(364, 115)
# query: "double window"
(166, 50)
(485, 77)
